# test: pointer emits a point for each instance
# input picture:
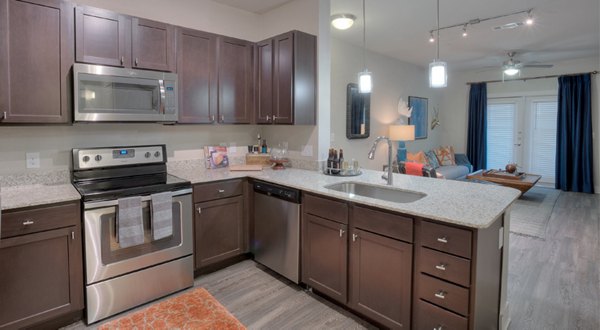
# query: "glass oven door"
(106, 259)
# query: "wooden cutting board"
(245, 167)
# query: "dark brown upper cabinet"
(36, 54)
(235, 81)
(197, 72)
(108, 38)
(286, 79)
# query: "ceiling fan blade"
(538, 65)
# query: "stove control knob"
(86, 159)
(147, 154)
(98, 158)
(157, 154)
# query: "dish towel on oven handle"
(162, 215)
(130, 221)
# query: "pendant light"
(365, 83)
(438, 73)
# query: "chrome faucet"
(390, 178)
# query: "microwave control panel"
(170, 97)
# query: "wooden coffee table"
(523, 184)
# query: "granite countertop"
(15, 197)
(463, 203)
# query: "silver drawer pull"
(440, 267)
(440, 294)
(4, 115)
(221, 191)
(199, 210)
(439, 327)
(122, 60)
(136, 61)
(28, 222)
(342, 232)
(355, 237)
(442, 239)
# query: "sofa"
(455, 166)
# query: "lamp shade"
(402, 132)
(438, 76)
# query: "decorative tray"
(329, 171)
(504, 175)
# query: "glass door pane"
(542, 142)
(501, 116)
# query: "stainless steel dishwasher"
(276, 241)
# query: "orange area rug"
(196, 309)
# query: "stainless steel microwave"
(109, 94)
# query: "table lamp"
(402, 133)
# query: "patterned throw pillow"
(445, 156)
(432, 159)
(419, 157)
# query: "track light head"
(464, 33)
(431, 38)
(529, 20)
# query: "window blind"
(543, 151)
(500, 134)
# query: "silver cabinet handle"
(73, 235)
(354, 237)
(274, 118)
(122, 60)
(4, 115)
(440, 267)
(199, 210)
(222, 118)
(28, 222)
(268, 118)
(440, 294)
(221, 191)
(136, 61)
(439, 327)
(442, 239)
(212, 118)
(341, 232)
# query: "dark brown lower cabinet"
(219, 229)
(380, 278)
(325, 256)
(41, 276)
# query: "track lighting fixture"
(464, 33)
(431, 38)
(529, 20)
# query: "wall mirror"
(357, 113)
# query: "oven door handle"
(114, 202)
(161, 87)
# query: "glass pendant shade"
(511, 71)
(342, 21)
(438, 74)
(365, 84)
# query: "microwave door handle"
(161, 85)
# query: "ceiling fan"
(512, 67)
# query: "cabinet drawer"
(445, 238)
(326, 208)
(432, 317)
(387, 224)
(444, 294)
(448, 267)
(211, 191)
(39, 219)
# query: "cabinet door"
(36, 54)
(41, 276)
(236, 95)
(264, 82)
(380, 278)
(284, 79)
(197, 72)
(153, 45)
(219, 230)
(102, 37)
(324, 256)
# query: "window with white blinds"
(543, 139)
(500, 134)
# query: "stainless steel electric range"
(118, 278)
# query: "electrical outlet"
(32, 159)
(307, 151)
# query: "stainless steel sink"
(377, 192)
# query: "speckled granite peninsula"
(462, 203)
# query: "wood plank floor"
(553, 283)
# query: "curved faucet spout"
(390, 178)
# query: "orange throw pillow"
(414, 169)
(445, 156)
(419, 157)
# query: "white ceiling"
(563, 29)
(254, 6)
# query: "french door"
(523, 130)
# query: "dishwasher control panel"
(273, 190)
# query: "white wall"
(453, 113)
(392, 79)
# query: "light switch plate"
(32, 159)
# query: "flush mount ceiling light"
(528, 21)
(342, 21)
(365, 82)
(438, 76)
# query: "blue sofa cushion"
(453, 172)
(432, 159)
(461, 159)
